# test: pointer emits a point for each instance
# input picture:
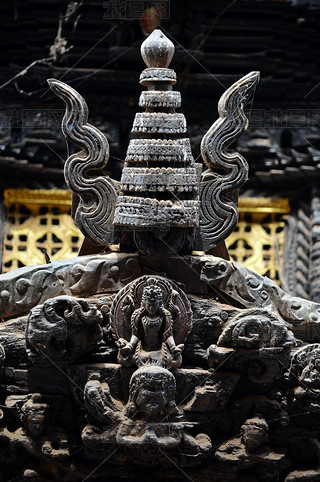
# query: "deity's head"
(254, 432)
(35, 415)
(152, 391)
(152, 299)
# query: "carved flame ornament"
(83, 170)
(163, 200)
(112, 364)
(219, 192)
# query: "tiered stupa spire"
(159, 182)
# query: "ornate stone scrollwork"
(2, 358)
(150, 320)
(97, 192)
(304, 374)
(255, 291)
(243, 403)
(62, 330)
(219, 192)
(256, 340)
(24, 288)
(256, 328)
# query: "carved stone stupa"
(156, 354)
(159, 182)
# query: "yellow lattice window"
(257, 242)
(36, 220)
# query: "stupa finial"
(164, 204)
(157, 50)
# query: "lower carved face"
(152, 399)
(152, 390)
(36, 422)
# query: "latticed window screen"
(257, 242)
(38, 220)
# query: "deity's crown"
(152, 373)
(152, 292)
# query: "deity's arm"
(133, 341)
(135, 330)
(168, 337)
(136, 325)
(168, 325)
(60, 440)
(171, 343)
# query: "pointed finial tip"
(157, 50)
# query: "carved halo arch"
(129, 299)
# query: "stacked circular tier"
(159, 182)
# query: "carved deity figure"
(254, 433)
(151, 414)
(250, 449)
(152, 340)
(145, 420)
(36, 436)
(152, 395)
(99, 402)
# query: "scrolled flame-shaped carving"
(256, 328)
(97, 192)
(227, 170)
(62, 330)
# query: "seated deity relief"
(150, 420)
(150, 320)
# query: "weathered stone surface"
(62, 330)
(159, 150)
(159, 74)
(219, 192)
(218, 375)
(137, 179)
(83, 170)
(23, 288)
(253, 290)
(158, 98)
(146, 213)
